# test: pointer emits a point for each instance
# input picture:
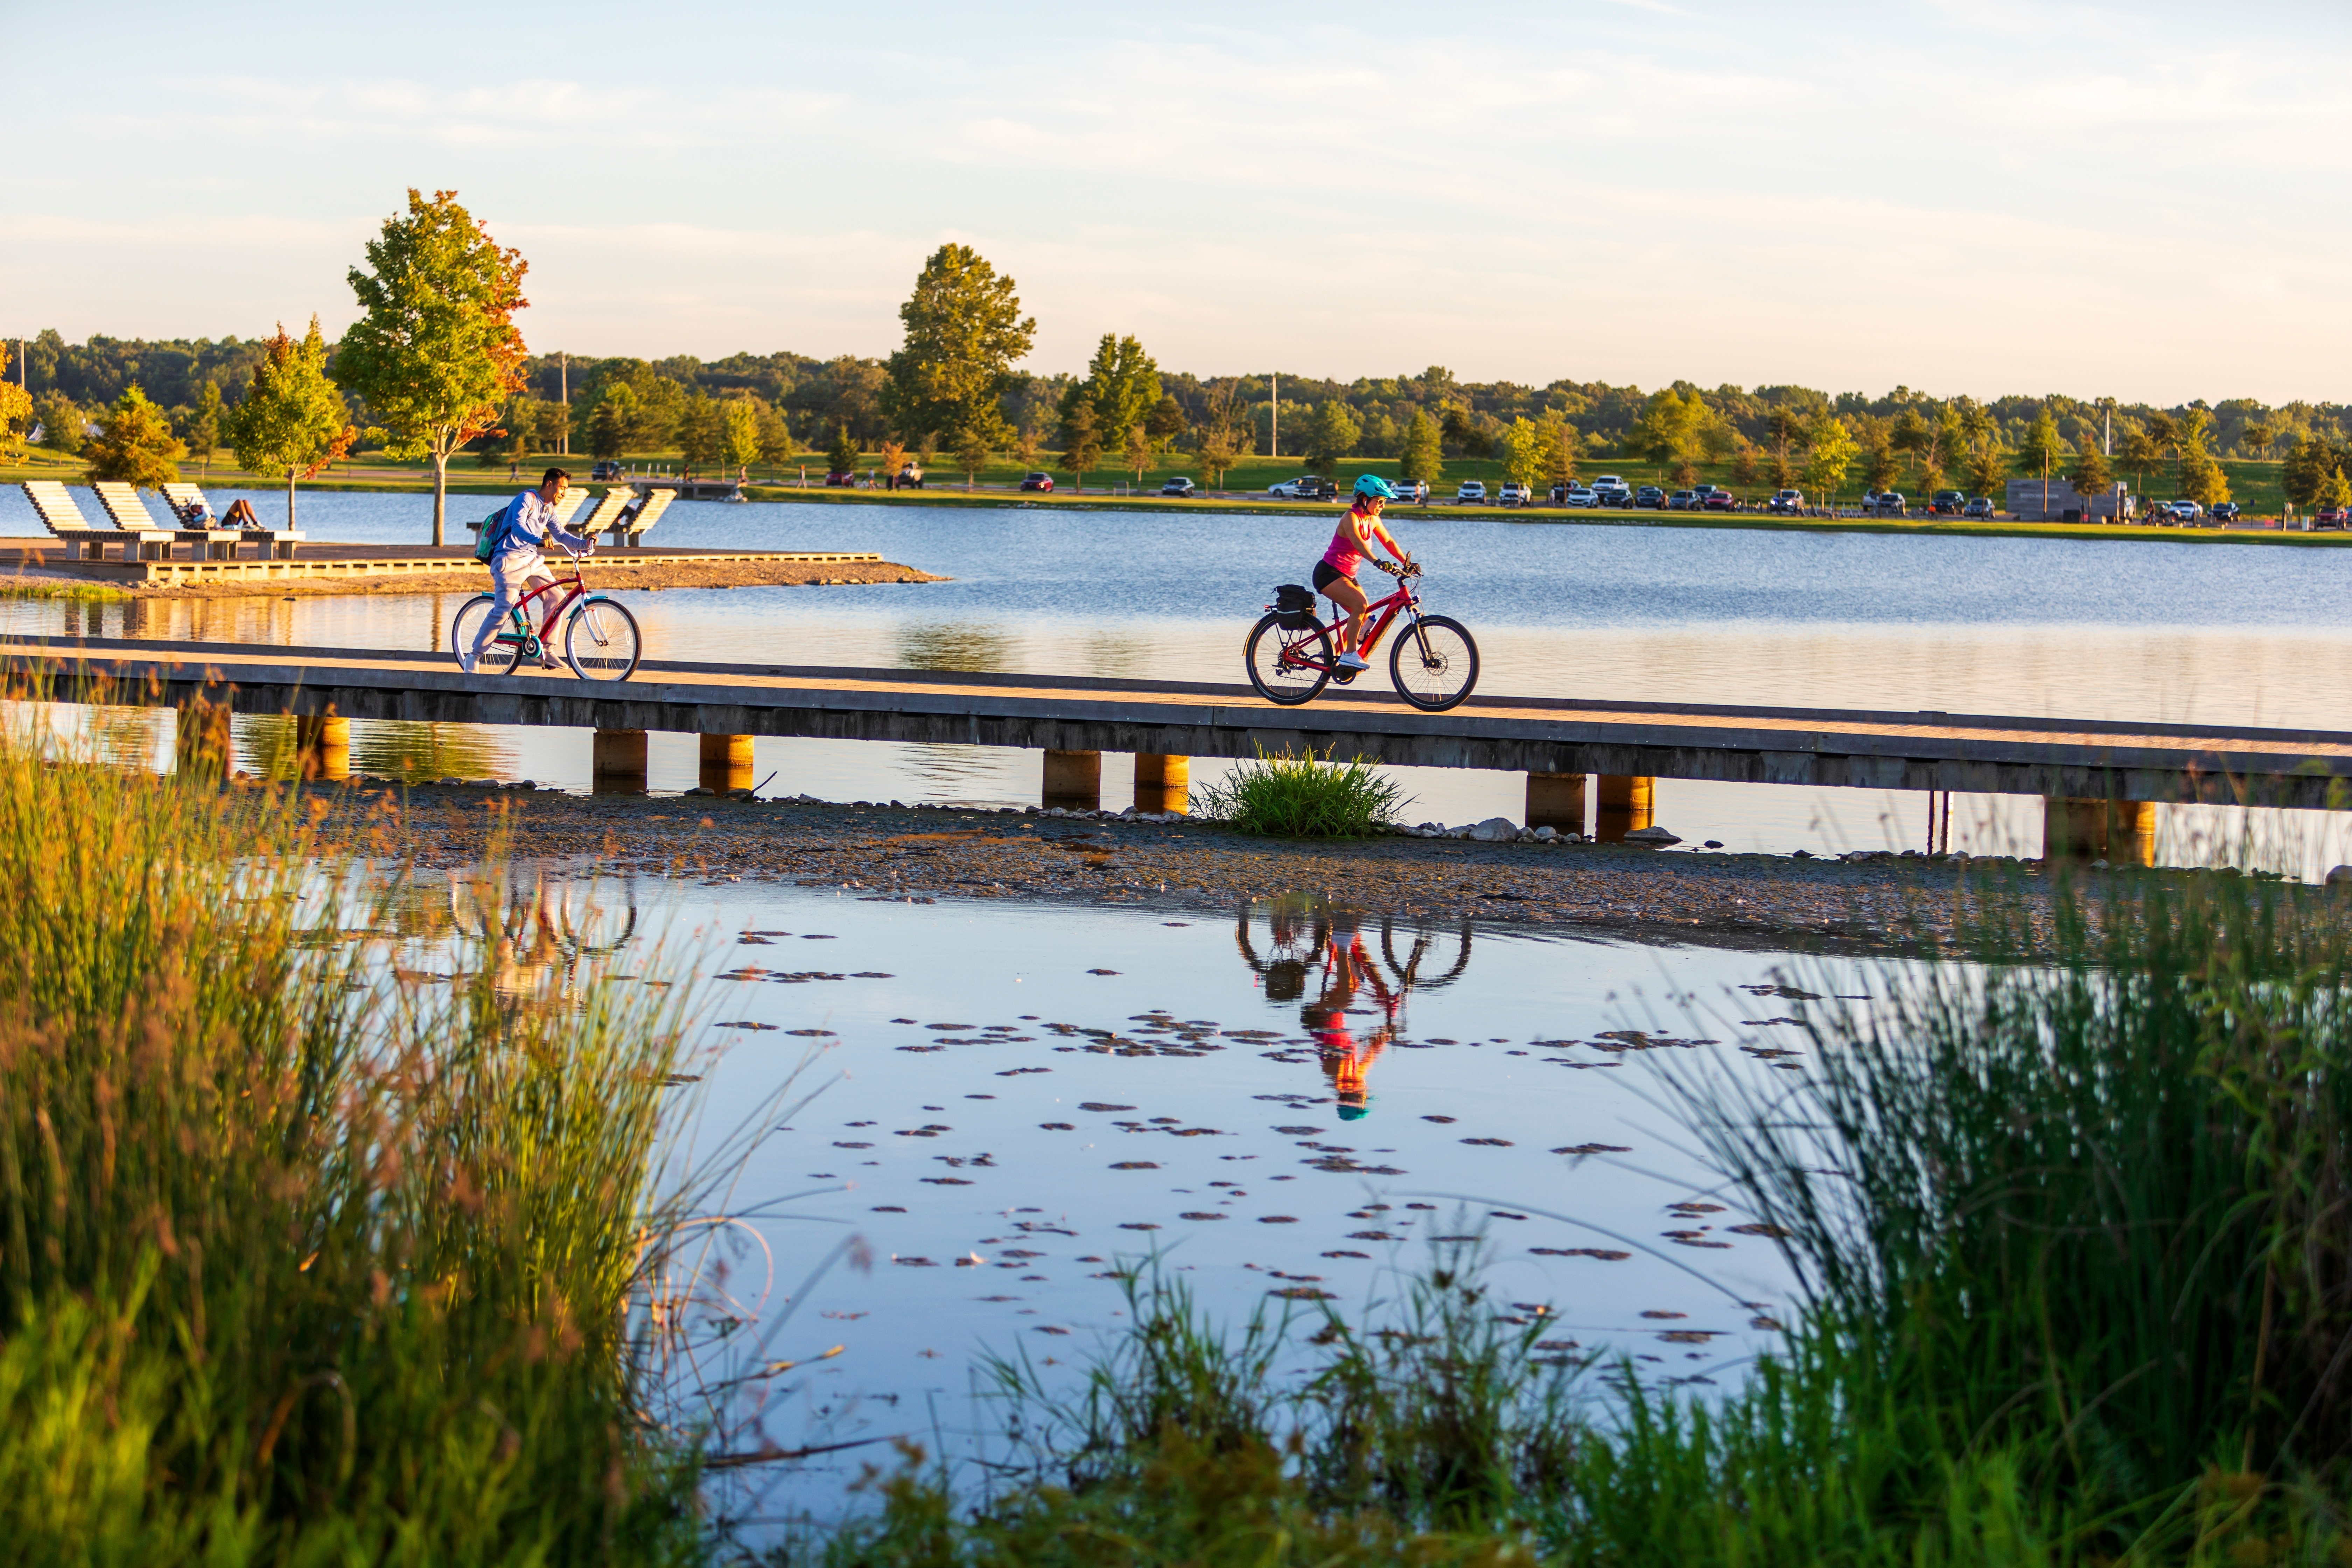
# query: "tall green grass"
(300, 1260)
(1286, 796)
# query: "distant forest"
(805, 403)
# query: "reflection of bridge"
(1073, 719)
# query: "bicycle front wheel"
(601, 641)
(1286, 667)
(498, 658)
(1434, 663)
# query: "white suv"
(1515, 493)
(1472, 490)
(1611, 490)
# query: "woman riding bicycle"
(1335, 574)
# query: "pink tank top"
(1346, 552)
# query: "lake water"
(1283, 1103)
(2155, 631)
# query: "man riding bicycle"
(1335, 574)
(516, 566)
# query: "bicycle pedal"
(1344, 677)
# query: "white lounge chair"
(631, 530)
(58, 512)
(273, 543)
(130, 514)
(565, 511)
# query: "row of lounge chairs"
(141, 538)
(619, 514)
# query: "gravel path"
(925, 855)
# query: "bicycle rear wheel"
(498, 658)
(1286, 667)
(601, 641)
(1434, 663)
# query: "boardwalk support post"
(1624, 806)
(1557, 801)
(1163, 783)
(726, 762)
(1073, 780)
(2120, 832)
(322, 746)
(617, 763)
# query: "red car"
(1037, 482)
(1718, 500)
(838, 478)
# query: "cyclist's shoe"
(546, 661)
(1351, 661)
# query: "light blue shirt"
(529, 523)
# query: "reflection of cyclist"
(1345, 1061)
(1335, 574)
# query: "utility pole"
(563, 371)
(1274, 440)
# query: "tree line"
(953, 387)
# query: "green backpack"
(492, 534)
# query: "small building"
(2030, 502)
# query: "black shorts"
(1325, 575)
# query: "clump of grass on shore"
(1283, 795)
(299, 1260)
(52, 589)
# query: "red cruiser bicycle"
(1291, 657)
(600, 639)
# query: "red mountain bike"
(1292, 657)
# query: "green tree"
(841, 458)
(1988, 471)
(1420, 457)
(776, 444)
(135, 443)
(1668, 429)
(435, 349)
(1166, 421)
(2201, 478)
(1332, 435)
(972, 450)
(61, 421)
(964, 331)
(2261, 437)
(2091, 476)
(2333, 493)
(1911, 435)
(2164, 431)
(1139, 449)
(700, 431)
(1525, 451)
(1880, 467)
(611, 421)
(739, 437)
(2042, 449)
(206, 425)
(293, 422)
(2309, 463)
(2140, 453)
(1563, 444)
(1028, 447)
(1121, 386)
(1462, 430)
(1218, 450)
(1832, 452)
(1744, 464)
(1082, 445)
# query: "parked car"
(1574, 494)
(1887, 503)
(1650, 496)
(1787, 502)
(2225, 512)
(1718, 499)
(839, 477)
(1703, 491)
(2330, 517)
(605, 468)
(1412, 492)
(1682, 500)
(2180, 512)
(1180, 486)
(1471, 494)
(1305, 487)
(910, 478)
(1948, 503)
(1980, 506)
(1611, 490)
(1036, 481)
(1514, 493)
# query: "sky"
(1979, 196)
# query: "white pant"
(513, 576)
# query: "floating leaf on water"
(1595, 1149)
(1506, 1213)
(913, 1262)
(742, 1024)
(922, 1047)
(1346, 1254)
(1136, 1165)
(1687, 1336)
(1059, 1126)
(886, 1208)
(815, 1034)
(1102, 972)
(1303, 1293)
(1278, 1219)
(951, 1025)
(902, 1020)
(1761, 1229)
(1606, 1254)
(1654, 1313)
(1438, 1118)
(1099, 1105)
(1137, 1225)
(872, 974)
(853, 1145)
(1298, 1132)
(947, 1181)
(1049, 1328)
(1202, 1214)
(813, 936)
(1374, 1235)
(1489, 1143)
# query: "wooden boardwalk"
(324, 562)
(1976, 754)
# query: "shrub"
(1285, 796)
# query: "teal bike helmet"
(1373, 485)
